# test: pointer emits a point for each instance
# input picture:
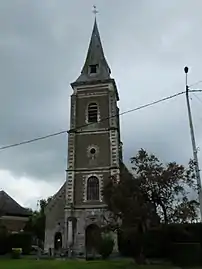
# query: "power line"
(32, 140)
(131, 110)
(195, 90)
(196, 83)
(197, 106)
(199, 99)
(72, 130)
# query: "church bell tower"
(94, 145)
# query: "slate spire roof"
(95, 66)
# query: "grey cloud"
(42, 48)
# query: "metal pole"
(195, 156)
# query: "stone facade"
(55, 218)
(94, 153)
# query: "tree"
(152, 193)
(129, 204)
(186, 211)
(105, 245)
(167, 186)
(36, 223)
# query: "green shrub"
(155, 243)
(187, 233)
(158, 242)
(22, 240)
(3, 239)
(16, 253)
(4, 244)
(123, 244)
(129, 242)
(106, 246)
(186, 254)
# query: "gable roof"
(9, 207)
(60, 194)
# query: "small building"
(12, 215)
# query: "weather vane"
(95, 11)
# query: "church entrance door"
(58, 241)
(92, 239)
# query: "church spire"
(95, 66)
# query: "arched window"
(93, 189)
(92, 112)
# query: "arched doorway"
(58, 241)
(93, 235)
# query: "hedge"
(19, 240)
(105, 246)
(186, 254)
(158, 242)
(184, 232)
(4, 244)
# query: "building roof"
(9, 207)
(95, 56)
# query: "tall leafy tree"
(36, 223)
(169, 187)
(153, 192)
(125, 200)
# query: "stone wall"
(86, 217)
(55, 218)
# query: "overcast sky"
(43, 46)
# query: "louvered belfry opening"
(92, 113)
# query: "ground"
(34, 264)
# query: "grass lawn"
(42, 264)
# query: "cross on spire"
(95, 11)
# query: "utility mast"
(195, 156)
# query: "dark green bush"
(184, 232)
(157, 242)
(3, 240)
(130, 243)
(106, 246)
(125, 243)
(21, 240)
(16, 253)
(186, 254)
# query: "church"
(94, 156)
